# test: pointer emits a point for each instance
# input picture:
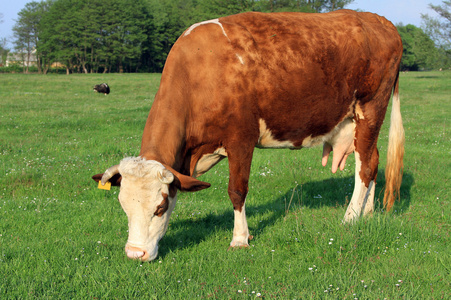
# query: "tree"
(439, 29)
(126, 35)
(419, 51)
(169, 19)
(3, 51)
(332, 5)
(95, 35)
(217, 8)
(302, 5)
(26, 31)
(58, 34)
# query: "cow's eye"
(163, 207)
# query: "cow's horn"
(165, 176)
(110, 172)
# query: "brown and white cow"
(276, 80)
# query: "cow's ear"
(187, 183)
(115, 180)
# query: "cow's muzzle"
(140, 253)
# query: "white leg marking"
(240, 229)
(362, 197)
(368, 201)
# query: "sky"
(397, 11)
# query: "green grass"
(61, 237)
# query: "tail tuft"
(395, 153)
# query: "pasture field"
(62, 238)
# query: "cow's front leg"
(239, 168)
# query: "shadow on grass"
(428, 77)
(333, 192)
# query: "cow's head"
(148, 196)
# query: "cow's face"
(147, 195)
(145, 198)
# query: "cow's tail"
(395, 153)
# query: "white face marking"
(266, 139)
(214, 21)
(207, 161)
(145, 187)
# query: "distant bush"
(16, 68)
(11, 69)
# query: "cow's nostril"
(139, 253)
(135, 255)
(145, 257)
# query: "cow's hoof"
(237, 247)
(240, 243)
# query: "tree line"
(91, 36)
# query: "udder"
(341, 142)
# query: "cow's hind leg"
(362, 201)
(239, 168)
(367, 160)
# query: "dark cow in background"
(102, 88)
(279, 80)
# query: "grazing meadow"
(61, 237)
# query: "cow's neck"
(164, 134)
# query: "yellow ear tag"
(107, 186)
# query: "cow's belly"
(267, 140)
(343, 133)
(340, 140)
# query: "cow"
(102, 88)
(267, 80)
